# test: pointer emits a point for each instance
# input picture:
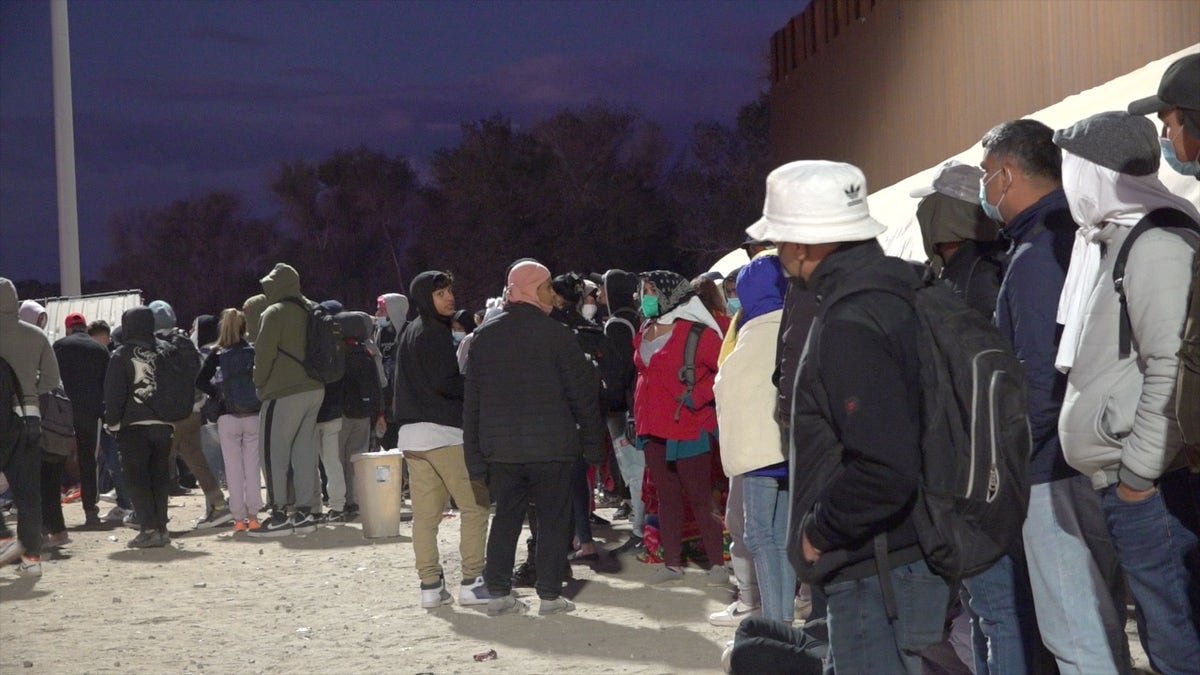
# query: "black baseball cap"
(1179, 88)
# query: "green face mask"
(650, 306)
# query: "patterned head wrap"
(673, 289)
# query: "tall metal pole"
(64, 152)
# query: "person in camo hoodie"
(291, 400)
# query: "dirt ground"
(330, 602)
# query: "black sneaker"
(304, 522)
(334, 516)
(633, 544)
(350, 513)
(525, 575)
(623, 511)
(278, 525)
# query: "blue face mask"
(458, 335)
(992, 211)
(1191, 168)
(382, 321)
(733, 305)
(649, 306)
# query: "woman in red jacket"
(674, 429)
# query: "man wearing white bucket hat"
(854, 421)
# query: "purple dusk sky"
(175, 98)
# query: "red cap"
(75, 319)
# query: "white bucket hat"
(816, 202)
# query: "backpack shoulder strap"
(1164, 217)
(687, 372)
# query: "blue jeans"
(1156, 540)
(861, 638)
(766, 504)
(110, 466)
(1004, 627)
(1079, 623)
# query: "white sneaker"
(10, 550)
(727, 657)
(733, 614)
(435, 595)
(110, 496)
(473, 592)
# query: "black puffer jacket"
(429, 386)
(856, 426)
(531, 394)
(130, 378)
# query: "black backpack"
(58, 424)
(362, 393)
(236, 384)
(12, 426)
(1187, 389)
(176, 365)
(609, 369)
(324, 350)
(975, 439)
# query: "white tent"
(893, 206)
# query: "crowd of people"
(779, 408)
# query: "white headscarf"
(692, 310)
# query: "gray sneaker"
(665, 576)
(506, 604)
(559, 605)
(144, 539)
(717, 575)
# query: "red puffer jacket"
(655, 400)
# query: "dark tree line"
(584, 190)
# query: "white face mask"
(588, 311)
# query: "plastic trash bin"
(377, 486)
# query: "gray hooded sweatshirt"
(27, 350)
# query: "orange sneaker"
(240, 525)
(252, 524)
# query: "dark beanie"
(1114, 140)
(208, 328)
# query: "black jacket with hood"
(130, 379)
(622, 323)
(856, 424)
(429, 386)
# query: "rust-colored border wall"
(903, 84)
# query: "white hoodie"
(1118, 419)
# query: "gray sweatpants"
(288, 429)
(355, 438)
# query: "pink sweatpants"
(239, 449)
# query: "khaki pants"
(435, 475)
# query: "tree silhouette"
(353, 220)
(200, 254)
